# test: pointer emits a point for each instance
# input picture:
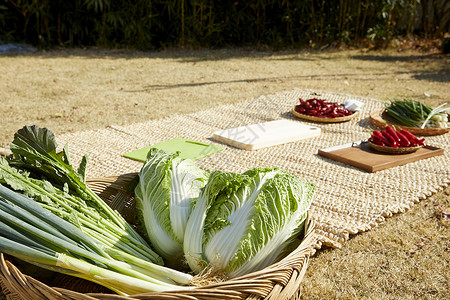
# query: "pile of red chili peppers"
(321, 108)
(395, 138)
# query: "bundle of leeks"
(50, 218)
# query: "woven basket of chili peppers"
(319, 110)
(395, 141)
(393, 150)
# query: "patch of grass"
(405, 257)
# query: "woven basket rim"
(323, 119)
(281, 279)
(379, 119)
(393, 150)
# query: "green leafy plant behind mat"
(145, 24)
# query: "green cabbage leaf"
(166, 189)
(244, 222)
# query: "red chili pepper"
(393, 133)
(391, 141)
(403, 139)
(376, 134)
(414, 140)
(377, 140)
(300, 109)
(327, 111)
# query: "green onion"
(34, 149)
(434, 113)
(411, 113)
(29, 232)
(77, 211)
(59, 223)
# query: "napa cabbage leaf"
(166, 189)
(243, 222)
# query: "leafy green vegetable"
(34, 148)
(33, 234)
(243, 222)
(167, 187)
(42, 176)
(84, 215)
(62, 189)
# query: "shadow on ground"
(372, 77)
(441, 74)
(182, 55)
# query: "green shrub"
(145, 24)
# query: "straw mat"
(347, 200)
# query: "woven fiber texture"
(347, 200)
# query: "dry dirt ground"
(407, 257)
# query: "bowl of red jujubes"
(395, 141)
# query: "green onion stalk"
(47, 178)
(77, 211)
(34, 149)
(35, 235)
(411, 113)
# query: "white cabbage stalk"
(244, 222)
(167, 186)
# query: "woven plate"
(323, 119)
(381, 119)
(393, 150)
(278, 281)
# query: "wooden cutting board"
(365, 158)
(257, 136)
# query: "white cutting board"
(257, 136)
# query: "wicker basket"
(379, 118)
(393, 150)
(278, 281)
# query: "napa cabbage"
(166, 189)
(244, 222)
